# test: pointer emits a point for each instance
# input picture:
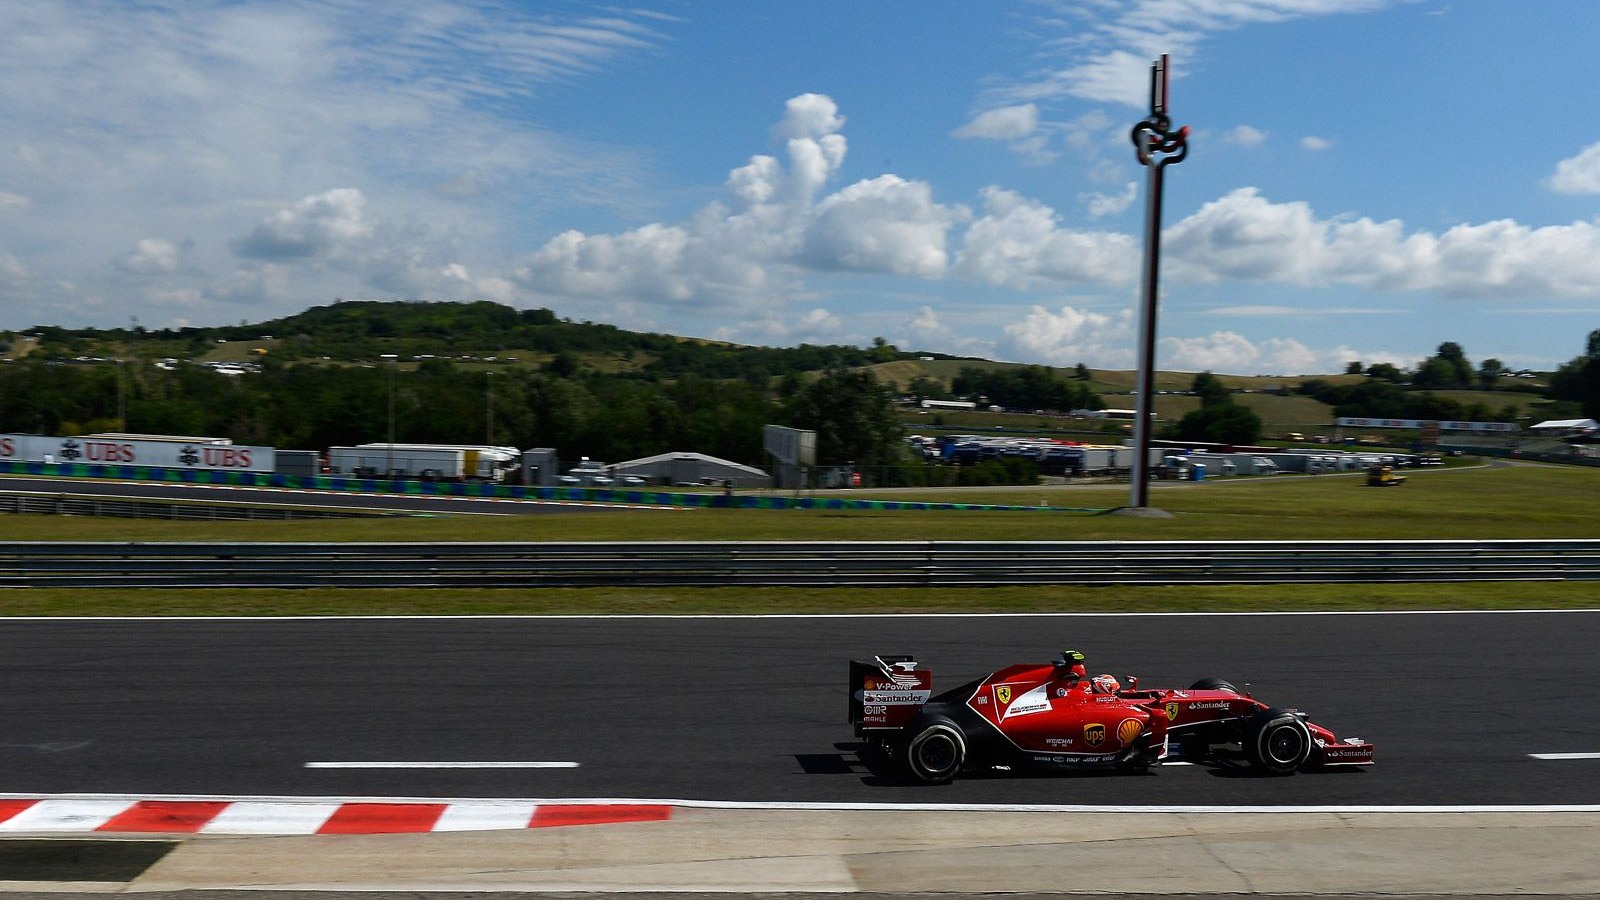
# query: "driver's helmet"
(1106, 684)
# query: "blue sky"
(1367, 178)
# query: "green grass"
(1508, 501)
(1527, 501)
(790, 601)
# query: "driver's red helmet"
(1105, 684)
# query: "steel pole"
(1157, 146)
(1139, 492)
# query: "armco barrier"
(484, 490)
(836, 563)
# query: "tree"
(925, 388)
(1489, 372)
(1227, 423)
(1386, 372)
(1435, 373)
(1446, 368)
(1218, 419)
(1210, 389)
(853, 416)
(1578, 380)
(1353, 367)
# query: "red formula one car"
(1051, 716)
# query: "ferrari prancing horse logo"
(1172, 712)
(1003, 694)
(1094, 735)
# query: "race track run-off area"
(312, 725)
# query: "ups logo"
(1003, 694)
(1094, 735)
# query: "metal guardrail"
(822, 564)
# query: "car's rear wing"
(886, 693)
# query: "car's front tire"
(936, 752)
(1279, 742)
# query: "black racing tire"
(1214, 684)
(936, 752)
(1278, 742)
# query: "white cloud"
(1256, 311)
(1018, 242)
(647, 263)
(137, 119)
(1069, 336)
(1315, 144)
(886, 224)
(819, 321)
(925, 322)
(1110, 204)
(1242, 236)
(1007, 123)
(1246, 237)
(150, 256)
(752, 250)
(321, 225)
(809, 117)
(1230, 352)
(1579, 174)
(12, 269)
(1111, 43)
(814, 326)
(1298, 312)
(1245, 136)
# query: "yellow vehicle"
(1383, 476)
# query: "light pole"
(1157, 145)
(394, 362)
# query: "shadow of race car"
(1052, 716)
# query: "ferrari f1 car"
(1051, 716)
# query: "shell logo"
(1129, 731)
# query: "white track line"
(1565, 755)
(779, 805)
(442, 765)
(896, 616)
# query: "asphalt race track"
(754, 709)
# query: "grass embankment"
(1521, 501)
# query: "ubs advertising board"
(157, 454)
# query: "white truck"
(383, 461)
(479, 462)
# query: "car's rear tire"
(1278, 742)
(936, 752)
(1214, 684)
